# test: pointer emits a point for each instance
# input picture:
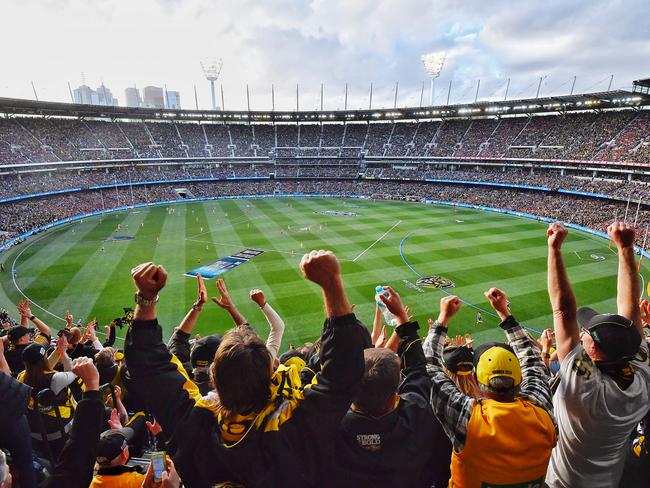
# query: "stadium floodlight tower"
(433, 63)
(212, 70)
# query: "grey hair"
(500, 385)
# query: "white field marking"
(236, 244)
(383, 235)
(576, 253)
(32, 302)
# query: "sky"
(285, 43)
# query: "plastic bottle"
(389, 317)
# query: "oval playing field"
(85, 266)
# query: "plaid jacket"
(454, 408)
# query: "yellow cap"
(498, 362)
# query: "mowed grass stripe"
(84, 288)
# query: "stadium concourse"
(358, 406)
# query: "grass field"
(66, 269)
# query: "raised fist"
(621, 234)
(556, 234)
(394, 304)
(84, 368)
(258, 297)
(449, 306)
(321, 267)
(499, 302)
(149, 279)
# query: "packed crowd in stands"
(606, 136)
(24, 215)
(359, 407)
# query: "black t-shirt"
(14, 358)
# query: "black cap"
(204, 349)
(458, 359)
(15, 333)
(33, 353)
(614, 335)
(112, 443)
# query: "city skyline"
(287, 43)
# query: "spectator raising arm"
(27, 315)
(179, 342)
(627, 296)
(274, 340)
(227, 304)
(563, 301)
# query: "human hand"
(449, 306)
(115, 422)
(499, 302)
(69, 320)
(556, 233)
(154, 428)
(258, 297)
(224, 300)
(320, 267)
(202, 294)
(170, 478)
(62, 346)
(621, 234)
(24, 308)
(90, 332)
(469, 341)
(644, 308)
(149, 279)
(84, 368)
(407, 309)
(546, 340)
(394, 305)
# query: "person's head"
(105, 358)
(459, 366)
(5, 474)
(241, 372)
(75, 335)
(608, 338)
(498, 371)
(113, 447)
(36, 365)
(19, 335)
(379, 384)
(203, 351)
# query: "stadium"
(428, 202)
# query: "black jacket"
(292, 441)
(74, 468)
(406, 447)
(14, 398)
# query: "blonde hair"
(467, 384)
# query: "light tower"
(212, 70)
(433, 63)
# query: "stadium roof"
(566, 103)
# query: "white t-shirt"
(595, 418)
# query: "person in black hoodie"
(262, 429)
(14, 428)
(390, 436)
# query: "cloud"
(286, 42)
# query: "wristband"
(145, 302)
(32, 317)
(196, 307)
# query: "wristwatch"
(196, 307)
(144, 302)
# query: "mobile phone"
(159, 465)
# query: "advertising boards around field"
(225, 264)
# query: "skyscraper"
(133, 98)
(173, 100)
(153, 97)
(86, 95)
